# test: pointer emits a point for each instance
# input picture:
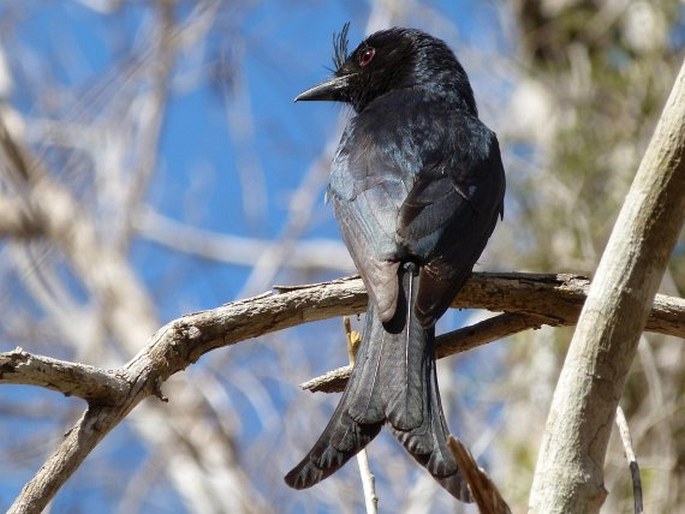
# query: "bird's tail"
(393, 381)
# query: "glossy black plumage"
(417, 186)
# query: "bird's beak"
(333, 89)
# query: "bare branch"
(531, 300)
(16, 221)
(71, 379)
(173, 348)
(232, 249)
(183, 341)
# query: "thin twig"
(368, 482)
(624, 431)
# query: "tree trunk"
(569, 473)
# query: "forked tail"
(393, 381)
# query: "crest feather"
(340, 46)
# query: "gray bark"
(569, 474)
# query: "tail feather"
(364, 392)
(327, 456)
(428, 443)
(405, 358)
(393, 381)
(357, 419)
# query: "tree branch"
(532, 300)
(71, 379)
(325, 254)
(183, 341)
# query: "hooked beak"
(332, 89)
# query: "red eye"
(366, 56)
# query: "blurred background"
(172, 172)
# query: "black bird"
(417, 186)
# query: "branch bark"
(69, 378)
(569, 474)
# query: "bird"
(417, 186)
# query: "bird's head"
(392, 59)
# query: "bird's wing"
(367, 188)
(427, 188)
(449, 214)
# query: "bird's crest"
(340, 46)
